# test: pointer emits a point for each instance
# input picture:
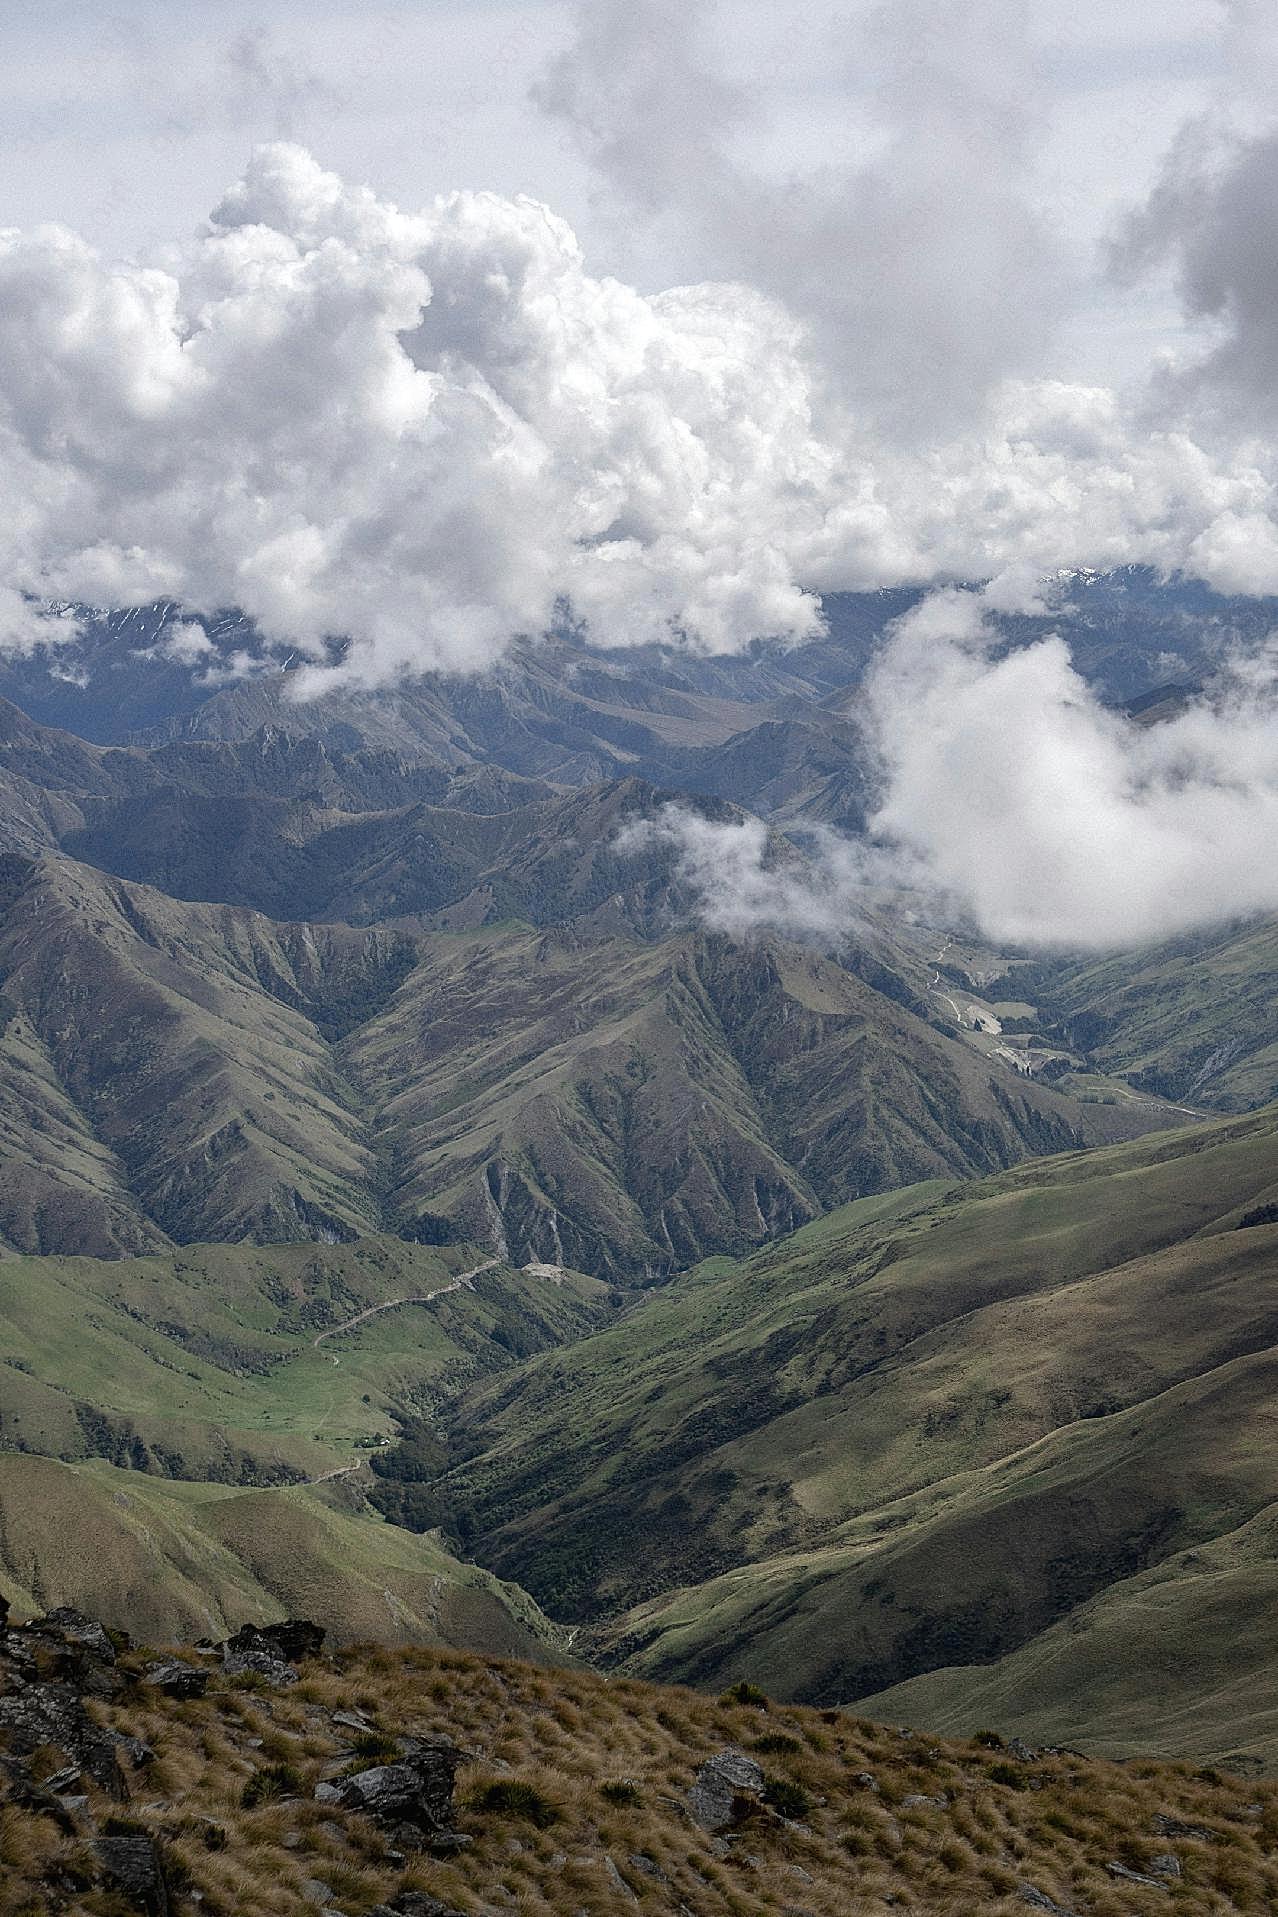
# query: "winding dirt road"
(461, 1283)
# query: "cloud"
(420, 432)
(27, 626)
(1213, 217)
(1011, 801)
(1052, 822)
(183, 643)
(423, 434)
(747, 879)
(921, 271)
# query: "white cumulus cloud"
(1050, 821)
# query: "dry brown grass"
(1053, 1823)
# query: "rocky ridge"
(264, 1777)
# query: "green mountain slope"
(178, 1035)
(923, 1433)
(254, 1365)
(178, 1072)
(186, 1439)
(1194, 1020)
(162, 1558)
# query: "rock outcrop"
(412, 1797)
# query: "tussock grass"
(573, 1786)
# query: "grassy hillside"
(574, 1797)
(924, 1432)
(189, 1560)
(187, 1440)
(1192, 1636)
(1195, 1020)
(230, 1362)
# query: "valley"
(415, 1215)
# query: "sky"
(426, 326)
(125, 122)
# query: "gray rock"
(261, 1661)
(413, 1796)
(138, 1753)
(617, 1881)
(1165, 1865)
(131, 1865)
(292, 1640)
(1125, 1876)
(917, 1800)
(271, 1650)
(177, 1679)
(1039, 1900)
(1168, 1826)
(74, 1628)
(722, 1779)
(53, 1714)
(647, 1866)
(29, 1794)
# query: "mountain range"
(414, 1213)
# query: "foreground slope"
(573, 1797)
(925, 1432)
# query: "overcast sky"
(126, 121)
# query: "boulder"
(1125, 1876)
(413, 1796)
(177, 1679)
(74, 1628)
(53, 1714)
(294, 1639)
(721, 1781)
(131, 1865)
(1039, 1900)
(1168, 1826)
(135, 1749)
(68, 1647)
(268, 1650)
(18, 1787)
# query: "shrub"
(744, 1693)
(787, 1799)
(775, 1744)
(272, 1781)
(510, 1798)
(620, 1791)
(990, 1740)
(1006, 1774)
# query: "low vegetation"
(574, 1796)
